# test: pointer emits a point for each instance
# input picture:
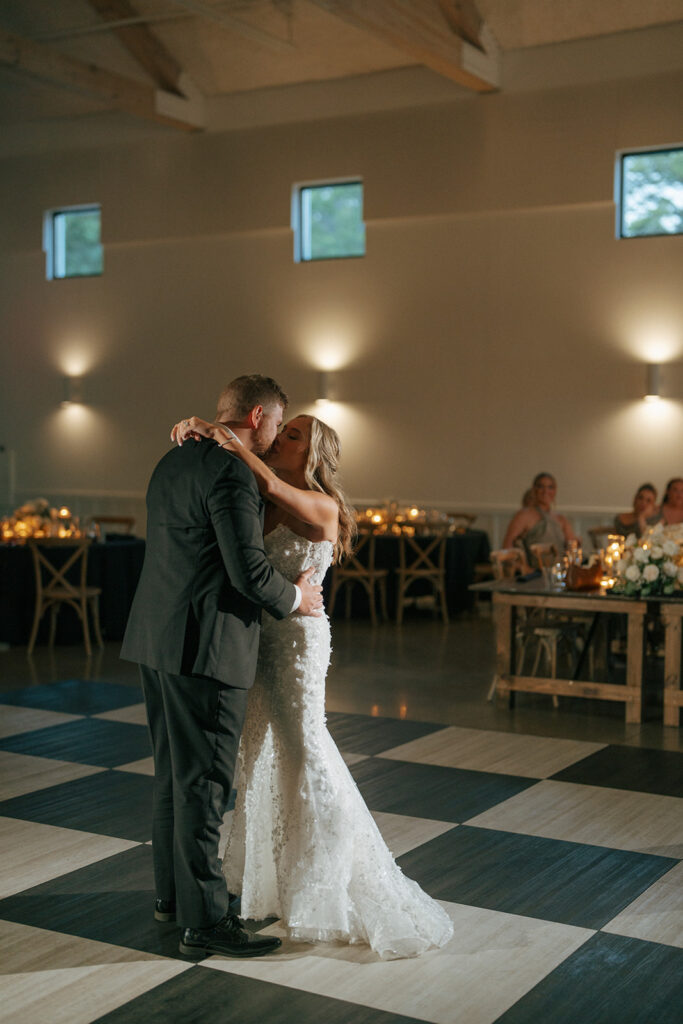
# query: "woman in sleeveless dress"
(303, 846)
(537, 523)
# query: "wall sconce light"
(73, 391)
(323, 395)
(652, 393)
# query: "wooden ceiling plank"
(148, 51)
(121, 93)
(420, 31)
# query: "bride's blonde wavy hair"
(322, 463)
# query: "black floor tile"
(205, 996)
(109, 803)
(609, 980)
(633, 768)
(430, 791)
(550, 879)
(111, 901)
(86, 741)
(75, 696)
(363, 734)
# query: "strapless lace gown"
(303, 846)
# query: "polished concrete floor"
(553, 837)
(423, 671)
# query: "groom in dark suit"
(194, 630)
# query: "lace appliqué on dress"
(303, 846)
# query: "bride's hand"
(194, 428)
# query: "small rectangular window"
(72, 242)
(327, 220)
(649, 192)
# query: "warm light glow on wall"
(653, 337)
(75, 360)
(330, 343)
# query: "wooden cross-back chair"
(359, 568)
(544, 555)
(422, 558)
(54, 589)
(508, 562)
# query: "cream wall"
(494, 328)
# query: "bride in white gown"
(303, 846)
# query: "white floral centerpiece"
(651, 566)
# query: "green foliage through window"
(651, 193)
(73, 243)
(329, 221)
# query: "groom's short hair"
(243, 393)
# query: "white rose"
(680, 575)
(622, 565)
(670, 569)
(631, 541)
(650, 573)
(670, 548)
(657, 551)
(641, 555)
(633, 573)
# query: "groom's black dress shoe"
(164, 910)
(227, 938)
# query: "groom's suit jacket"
(206, 576)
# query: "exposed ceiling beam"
(464, 19)
(114, 90)
(147, 50)
(421, 30)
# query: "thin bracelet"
(229, 441)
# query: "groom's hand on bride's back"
(311, 594)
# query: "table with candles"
(466, 548)
(114, 565)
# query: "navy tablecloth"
(113, 565)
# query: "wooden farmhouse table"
(672, 614)
(510, 597)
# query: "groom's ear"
(255, 416)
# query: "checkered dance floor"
(558, 860)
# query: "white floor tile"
(645, 822)
(491, 962)
(32, 853)
(145, 766)
(657, 914)
(14, 719)
(350, 759)
(24, 949)
(23, 773)
(78, 995)
(402, 833)
(134, 714)
(507, 753)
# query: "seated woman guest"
(537, 523)
(672, 505)
(645, 512)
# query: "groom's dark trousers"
(193, 629)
